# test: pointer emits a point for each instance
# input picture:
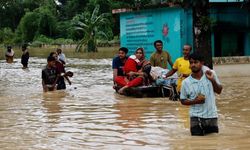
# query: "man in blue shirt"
(118, 62)
(198, 90)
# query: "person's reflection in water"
(183, 115)
(51, 102)
(131, 112)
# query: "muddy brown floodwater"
(90, 115)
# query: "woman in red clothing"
(133, 71)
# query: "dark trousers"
(60, 83)
(203, 126)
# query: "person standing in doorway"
(159, 57)
(198, 90)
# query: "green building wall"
(230, 34)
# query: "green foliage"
(6, 36)
(122, 4)
(68, 9)
(30, 5)
(64, 30)
(105, 6)
(92, 26)
(62, 41)
(43, 40)
(47, 21)
(28, 26)
(11, 12)
(39, 22)
(32, 18)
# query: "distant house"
(173, 25)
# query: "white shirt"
(190, 89)
(62, 57)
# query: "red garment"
(135, 82)
(60, 67)
(121, 81)
(130, 65)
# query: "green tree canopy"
(92, 25)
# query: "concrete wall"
(142, 28)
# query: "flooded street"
(90, 115)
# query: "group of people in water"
(54, 73)
(196, 83)
(9, 55)
(135, 70)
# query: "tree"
(41, 21)
(201, 27)
(11, 11)
(47, 21)
(28, 26)
(70, 8)
(92, 26)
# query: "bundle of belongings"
(159, 76)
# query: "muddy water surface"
(89, 115)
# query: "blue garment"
(192, 87)
(170, 81)
(118, 64)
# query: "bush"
(6, 36)
(43, 40)
(61, 41)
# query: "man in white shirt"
(198, 90)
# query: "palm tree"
(92, 26)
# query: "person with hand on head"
(181, 66)
(198, 90)
(159, 57)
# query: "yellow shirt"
(183, 67)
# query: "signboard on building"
(142, 28)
